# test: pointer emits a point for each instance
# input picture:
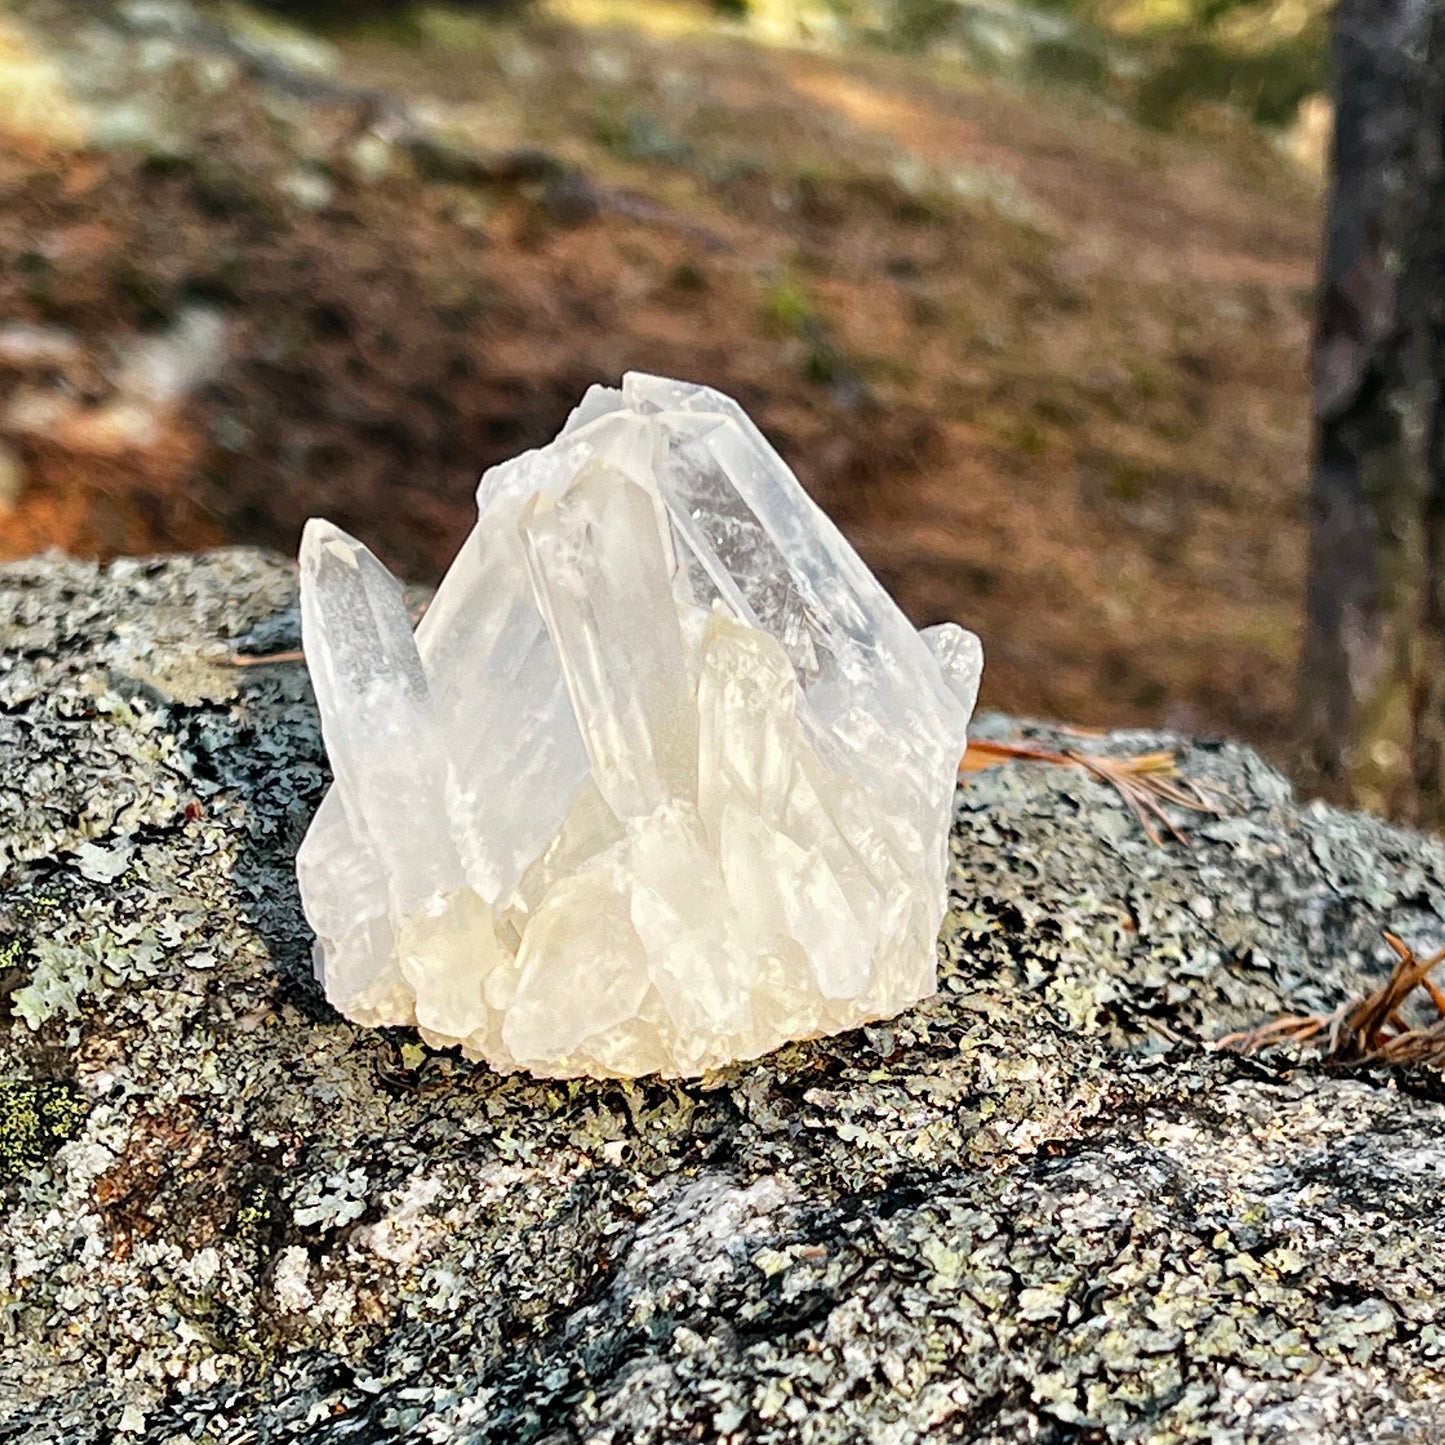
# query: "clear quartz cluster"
(662, 780)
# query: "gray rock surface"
(1039, 1207)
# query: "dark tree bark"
(1373, 686)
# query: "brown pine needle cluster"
(1371, 1030)
(1146, 781)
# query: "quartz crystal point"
(662, 780)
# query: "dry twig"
(1145, 781)
(1372, 1030)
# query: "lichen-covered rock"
(1038, 1206)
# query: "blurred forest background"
(1023, 291)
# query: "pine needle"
(1372, 1030)
(1146, 781)
(246, 659)
(418, 599)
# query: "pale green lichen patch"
(1036, 1207)
(37, 1116)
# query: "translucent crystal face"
(663, 779)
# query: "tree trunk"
(1373, 685)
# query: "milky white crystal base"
(664, 778)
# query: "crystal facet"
(663, 779)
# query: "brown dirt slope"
(1046, 369)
